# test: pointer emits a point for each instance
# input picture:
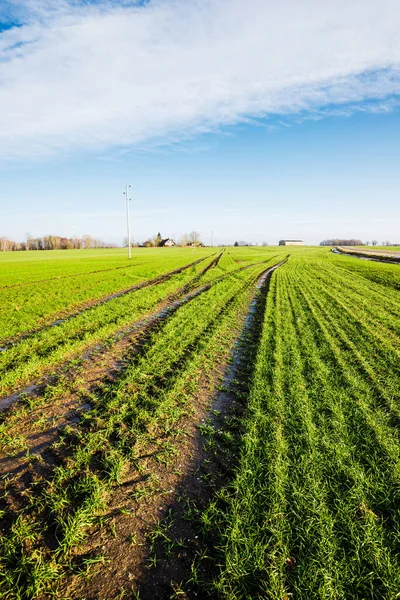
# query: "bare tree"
(194, 238)
(184, 241)
(340, 242)
(53, 242)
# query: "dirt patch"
(144, 500)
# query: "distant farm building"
(167, 243)
(291, 243)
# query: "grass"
(311, 509)
(147, 402)
(40, 287)
(40, 351)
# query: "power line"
(128, 227)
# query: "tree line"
(56, 242)
(353, 242)
(53, 242)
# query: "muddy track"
(176, 367)
(144, 325)
(207, 471)
(212, 265)
(94, 303)
(126, 343)
(98, 366)
(100, 369)
(246, 267)
(160, 564)
(172, 482)
(366, 256)
(169, 304)
(191, 284)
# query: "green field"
(121, 477)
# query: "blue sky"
(251, 124)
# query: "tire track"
(143, 326)
(94, 303)
(166, 307)
(51, 459)
(364, 256)
(32, 386)
(182, 483)
(99, 367)
(121, 353)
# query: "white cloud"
(93, 76)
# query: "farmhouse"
(291, 243)
(167, 243)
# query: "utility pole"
(212, 239)
(128, 227)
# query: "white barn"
(291, 243)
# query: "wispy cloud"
(101, 74)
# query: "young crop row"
(22, 361)
(42, 351)
(42, 535)
(27, 268)
(29, 306)
(386, 273)
(314, 508)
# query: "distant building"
(291, 243)
(167, 243)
